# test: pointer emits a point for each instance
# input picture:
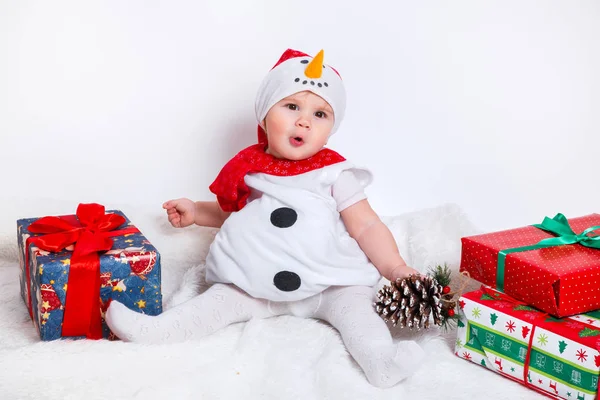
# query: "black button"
(284, 217)
(286, 281)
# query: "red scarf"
(230, 188)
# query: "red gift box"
(554, 266)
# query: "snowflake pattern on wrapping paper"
(575, 325)
(502, 305)
(581, 355)
(510, 326)
(530, 316)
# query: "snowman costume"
(285, 249)
(289, 242)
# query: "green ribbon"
(559, 225)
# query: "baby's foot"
(128, 325)
(403, 361)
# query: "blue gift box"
(129, 273)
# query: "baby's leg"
(221, 305)
(366, 336)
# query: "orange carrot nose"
(315, 68)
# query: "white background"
(493, 105)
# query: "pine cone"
(410, 302)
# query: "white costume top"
(289, 241)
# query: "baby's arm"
(209, 213)
(184, 212)
(376, 240)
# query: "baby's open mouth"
(296, 141)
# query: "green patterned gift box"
(558, 357)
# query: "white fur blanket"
(277, 358)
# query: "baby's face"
(298, 126)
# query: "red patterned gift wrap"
(557, 357)
(553, 266)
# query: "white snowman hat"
(296, 72)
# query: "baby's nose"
(303, 122)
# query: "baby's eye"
(320, 114)
(292, 106)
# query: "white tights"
(349, 309)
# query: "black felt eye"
(304, 61)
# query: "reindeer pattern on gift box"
(498, 362)
(553, 387)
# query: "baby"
(297, 237)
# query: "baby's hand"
(181, 212)
(403, 271)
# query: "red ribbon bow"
(90, 232)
